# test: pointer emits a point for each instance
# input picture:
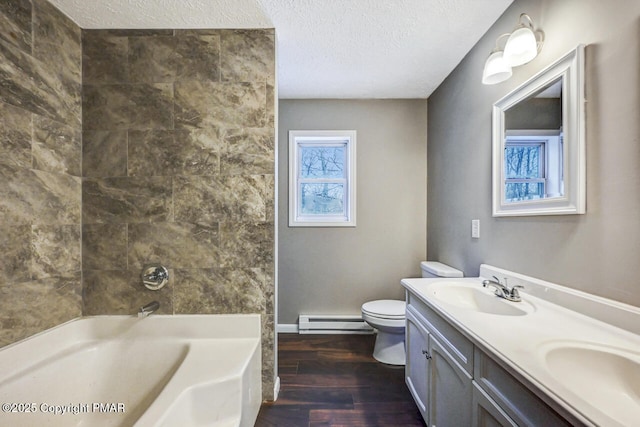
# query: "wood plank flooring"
(333, 380)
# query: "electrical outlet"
(475, 228)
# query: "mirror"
(539, 143)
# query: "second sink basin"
(601, 375)
(472, 296)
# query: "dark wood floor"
(332, 380)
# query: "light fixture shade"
(496, 70)
(521, 47)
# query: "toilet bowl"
(388, 318)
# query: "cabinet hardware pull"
(426, 354)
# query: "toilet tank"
(438, 269)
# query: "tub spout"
(148, 309)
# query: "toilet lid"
(385, 308)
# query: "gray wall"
(335, 270)
(596, 252)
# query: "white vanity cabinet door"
(417, 365)
(486, 412)
(450, 389)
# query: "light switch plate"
(475, 228)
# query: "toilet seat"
(385, 309)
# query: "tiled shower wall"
(178, 166)
(135, 147)
(40, 168)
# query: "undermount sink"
(602, 376)
(472, 296)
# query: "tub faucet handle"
(154, 276)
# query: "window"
(322, 179)
(524, 170)
(532, 167)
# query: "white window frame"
(298, 138)
(542, 161)
(552, 160)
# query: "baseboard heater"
(332, 324)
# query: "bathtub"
(183, 370)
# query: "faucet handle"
(154, 276)
(514, 291)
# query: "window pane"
(522, 161)
(322, 199)
(515, 191)
(322, 162)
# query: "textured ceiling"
(326, 48)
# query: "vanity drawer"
(517, 401)
(460, 348)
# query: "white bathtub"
(191, 370)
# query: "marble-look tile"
(123, 200)
(104, 246)
(206, 104)
(15, 21)
(198, 57)
(246, 244)
(104, 153)
(270, 287)
(114, 32)
(152, 59)
(270, 197)
(15, 241)
(205, 199)
(56, 250)
(32, 196)
(15, 136)
(134, 106)
(180, 152)
(219, 291)
(29, 84)
(249, 151)
(173, 244)
(197, 32)
(31, 307)
(57, 41)
(268, 343)
(104, 58)
(270, 120)
(56, 147)
(122, 292)
(247, 56)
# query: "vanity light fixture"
(496, 69)
(522, 45)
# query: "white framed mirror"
(539, 143)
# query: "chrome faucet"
(148, 309)
(502, 290)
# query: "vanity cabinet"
(486, 412)
(520, 404)
(440, 386)
(449, 389)
(417, 364)
(454, 383)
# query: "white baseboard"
(287, 328)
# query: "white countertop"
(587, 388)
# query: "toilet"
(388, 318)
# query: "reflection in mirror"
(538, 143)
(533, 146)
